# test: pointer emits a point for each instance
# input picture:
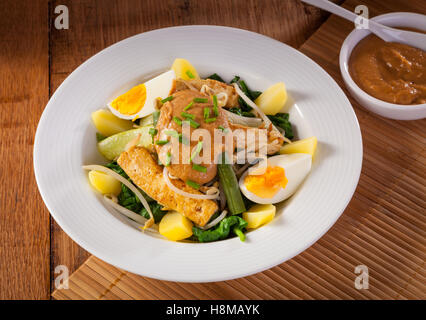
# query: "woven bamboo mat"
(383, 227)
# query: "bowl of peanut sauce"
(386, 78)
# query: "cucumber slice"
(114, 145)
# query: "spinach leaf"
(156, 211)
(282, 120)
(216, 77)
(99, 137)
(222, 230)
(128, 199)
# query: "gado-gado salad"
(198, 159)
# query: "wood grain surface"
(383, 227)
(24, 91)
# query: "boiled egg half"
(278, 181)
(140, 100)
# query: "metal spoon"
(387, 34)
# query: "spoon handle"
(333, 8)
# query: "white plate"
(65, 140)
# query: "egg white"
(296, 167)
(160, 86)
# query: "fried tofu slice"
(215, 87)
(144, 171)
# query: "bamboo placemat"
(383, 227)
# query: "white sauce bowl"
(385, 109)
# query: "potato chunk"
(259, 215)
(175, 226)
(104, 183)
(184, 69)
(273, 99)
(108, 124)
(307, 145)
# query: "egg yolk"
(268, 184)
(132, 101)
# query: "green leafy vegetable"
(216, 77)
(282, 120)
(99, 137)
(221, 231)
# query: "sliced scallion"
(197, 150)
(200, 100)
(168, 159)
(188, 106)
(206, 113)
(210, 120)
(189, 74)
(161, 142)
(172, 133)
(215, 107)
(192, 184)
(177, 120)
(193, 123)
(199, 168)
(169, 98)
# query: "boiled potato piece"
(273, 99)
(104, 183)
(184, 69)
(307, 145)
(259, 215)
(108, 124)
(175, 226)
(113, 146)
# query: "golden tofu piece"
(144, 171)
(216, 87)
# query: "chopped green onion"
(189, 74)
(168, 159)
(155, 116)
(200, 100)
(206, 113)
(192, 184)
(152, 132)
(215, 108)
(199, 168)
(187, 115)
(172, 133)
(169, 98)
(183, 139)
(209, 120)
(161, 142)
(197, 150)
(223, 129)
(188, 106)
(177, 120)
(193, 123)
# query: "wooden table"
(35, 58)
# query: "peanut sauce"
(392, 72)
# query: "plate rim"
(93, 251)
